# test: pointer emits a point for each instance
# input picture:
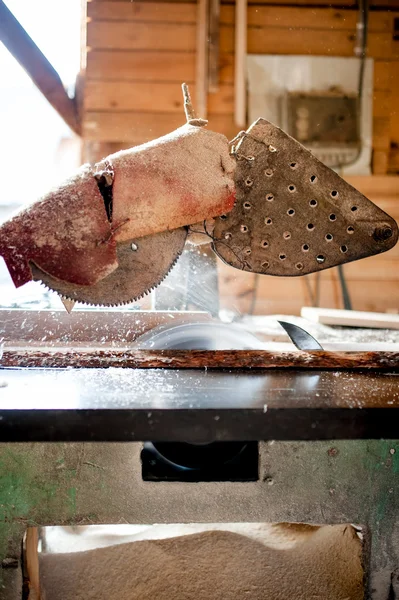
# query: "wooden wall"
(138, 54)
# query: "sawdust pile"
(324, 562)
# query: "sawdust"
(182, 178)
(316, 562)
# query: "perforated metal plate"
(293, 215)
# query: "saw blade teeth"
(114, 290)
(114, 305)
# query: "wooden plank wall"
(138, 53)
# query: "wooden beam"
(39, 69)
(201, 70)
(213, 53)
(240, 48)
(201, 359)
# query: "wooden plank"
(258, 16)
(393, 165)
(375, 187)
(38, 68)
(350, 318)
(201, 60)
(213, 46)
(119, 65)
(261, 40)
(166, 12)
(200, 359)
(309, 41)
(120, 35)
(137, 127)
(309, 18)
(137, 95)
(266, 16)
(384, 74)
(373, 269)
(31, 560)
(380, 161)
(240, 49)
(381, 132)
(289, 293)
(382, 106)
(380, 4)
(151, 96)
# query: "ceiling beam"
(39, 69)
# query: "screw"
(10, 563)
(381, 234)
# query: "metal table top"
(119, 404)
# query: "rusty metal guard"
(293, 215)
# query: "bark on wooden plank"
(199, 359)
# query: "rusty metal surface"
(293, 215)
(142, 266)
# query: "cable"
(361, 52)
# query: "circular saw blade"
(143, 264)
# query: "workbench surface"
(118, 404)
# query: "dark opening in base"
(217, 461)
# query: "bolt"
(10, 563)
(332, 452)
(381, 234)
